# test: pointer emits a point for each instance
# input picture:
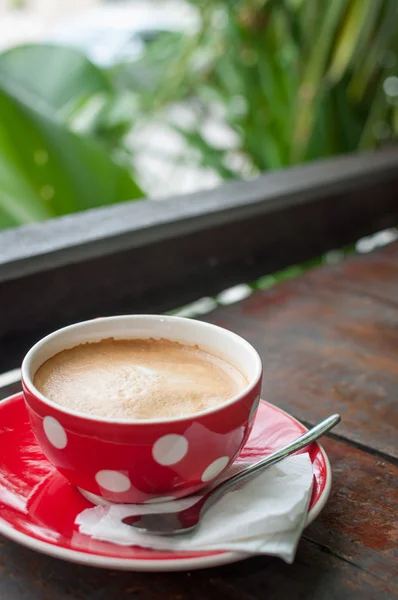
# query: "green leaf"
(64, 82)
(377, 117)
(312, 81)
(382, 44)
(56, 74)
(46, 170)
(349, 36)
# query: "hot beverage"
(138, 379)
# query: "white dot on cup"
(170, 449)
(215, 468)
(55, 433)
(113, 481)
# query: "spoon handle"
(297, 444)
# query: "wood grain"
(316, 574)
(326, 349)
(374, 274)
(359, 523)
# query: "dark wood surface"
(156, 256)
(329, 342)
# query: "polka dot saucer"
(38, 506)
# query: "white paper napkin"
(265, 515)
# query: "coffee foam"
(138, 379)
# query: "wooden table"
(329, 341)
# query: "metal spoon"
(171, 523)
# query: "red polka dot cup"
(137, 461)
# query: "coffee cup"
(151, 459)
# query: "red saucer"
(38, 506)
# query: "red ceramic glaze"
(38, 506)
(133, 462)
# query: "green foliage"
(61, 136)
(295, 80)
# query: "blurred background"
(103, 102)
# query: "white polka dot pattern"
(55, 433)
(113, 481)
(215, 468)
(170, 449)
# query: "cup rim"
(31, 388)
